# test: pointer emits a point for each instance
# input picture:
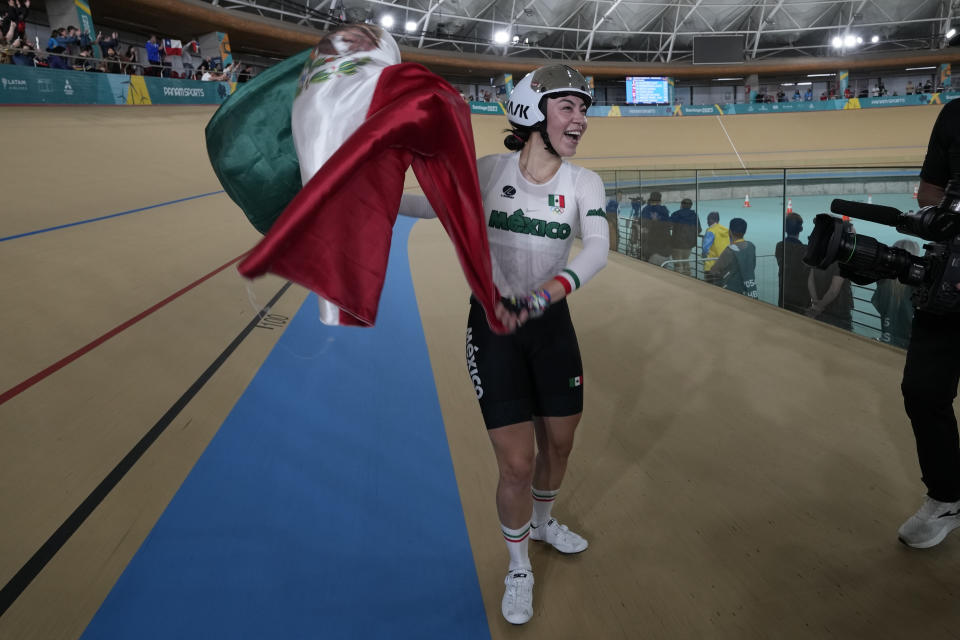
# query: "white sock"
(542, 504)
(517, 542)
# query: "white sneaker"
(562, 539)
(517, 605)
(931, 524)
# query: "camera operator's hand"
(814, 310)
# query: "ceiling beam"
(596, 25)
(424, 22)
(676, 29)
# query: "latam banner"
(28, 85)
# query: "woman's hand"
(512, 321)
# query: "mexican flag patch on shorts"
(576, 382)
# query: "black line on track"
(29, 571)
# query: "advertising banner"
(173, 91)
(86, 21)
(489, 108)
(28, 85)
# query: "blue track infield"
(325, 507)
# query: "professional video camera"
(864, 260)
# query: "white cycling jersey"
(531, 226)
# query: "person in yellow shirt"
(715, 240)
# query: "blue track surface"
(325, 507)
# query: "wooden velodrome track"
(740, 471)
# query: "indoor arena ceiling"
(634, 31)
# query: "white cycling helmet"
(523, 108)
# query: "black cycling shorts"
(536, 371)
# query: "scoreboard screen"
(647, 90)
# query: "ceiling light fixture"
(386, 21)
(501, 37)
(411, 25)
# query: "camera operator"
(932, 370)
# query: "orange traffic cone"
(916, 189)
(746, 200)
(789, 206)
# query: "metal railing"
(763, 199)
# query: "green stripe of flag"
(576, 280)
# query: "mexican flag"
(555, 200)
(576, 382)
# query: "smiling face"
(566, 123)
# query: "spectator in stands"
(85, 60)
(77, 40)
(781, 96)
(808, 96)
(823, 95)
(909, 90)
(112, 42)
(219, 76)
(613, 221)
(245, 74)
(848, 93)
(654, 231)
(831, 297)
(737, 265)
(684, 229)
(892, 302)
(129, 61)
(796, 95)
(57, 44)
(715, 240)
(633, 229)
(927, 86)
(793, 293)
(8, 45)
(24, 53)
(111, 61)
(154, 57)
(8, 16)
(15, 14)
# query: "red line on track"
(34, 379)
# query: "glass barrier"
(686, 220)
